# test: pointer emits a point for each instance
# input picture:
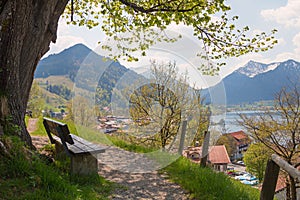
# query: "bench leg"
(60, 153)
(84, 164)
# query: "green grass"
(89, 134)
(117, 141)
(204, 183)
(40, 129)
(23, 175)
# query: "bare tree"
(279, 130)
(165, 102)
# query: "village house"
(217, 156)
(242, 143)
(111, 124)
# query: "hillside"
(66, 62)
(81, 68)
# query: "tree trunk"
(26, 29)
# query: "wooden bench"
(83, 153)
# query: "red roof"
(239, 135)
(280, 183)
(218, 155)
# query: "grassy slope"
(23, 175)
(54, 100)
(60, 80)
(57, 80)
(204, 183)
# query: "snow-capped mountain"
(291, 65)
(258, 81)
(252, 68)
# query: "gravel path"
(133, 172)
(114, 165)
(32, 124)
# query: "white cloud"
(63, 27)
(285, 56)
(293, 53)
(64, 42)
(281, 41)
(287, 15)
(65, 39)
(296, 42)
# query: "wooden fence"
(271, 176)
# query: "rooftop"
(239, 135)
(217, 154)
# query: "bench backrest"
(59, 129)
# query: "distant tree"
(70, 115)
(279, 130)
(60, 90)
(28, 27)
(203, 121)
(229, 142)
(82, 114)
(256, 158)
(36, 100)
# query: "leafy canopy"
(256, 159)
(135, 25)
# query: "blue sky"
(259, 15)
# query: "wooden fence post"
(205, 146)
(270, 181)
(182, 137)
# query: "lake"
(230, 119)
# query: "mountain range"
(258, 81)
(250, 83)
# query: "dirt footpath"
(145, 184)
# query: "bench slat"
(86, 146)
(82, 146)
(84, 142)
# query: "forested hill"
(69, 61)
(66, 62)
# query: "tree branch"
(159, 7)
